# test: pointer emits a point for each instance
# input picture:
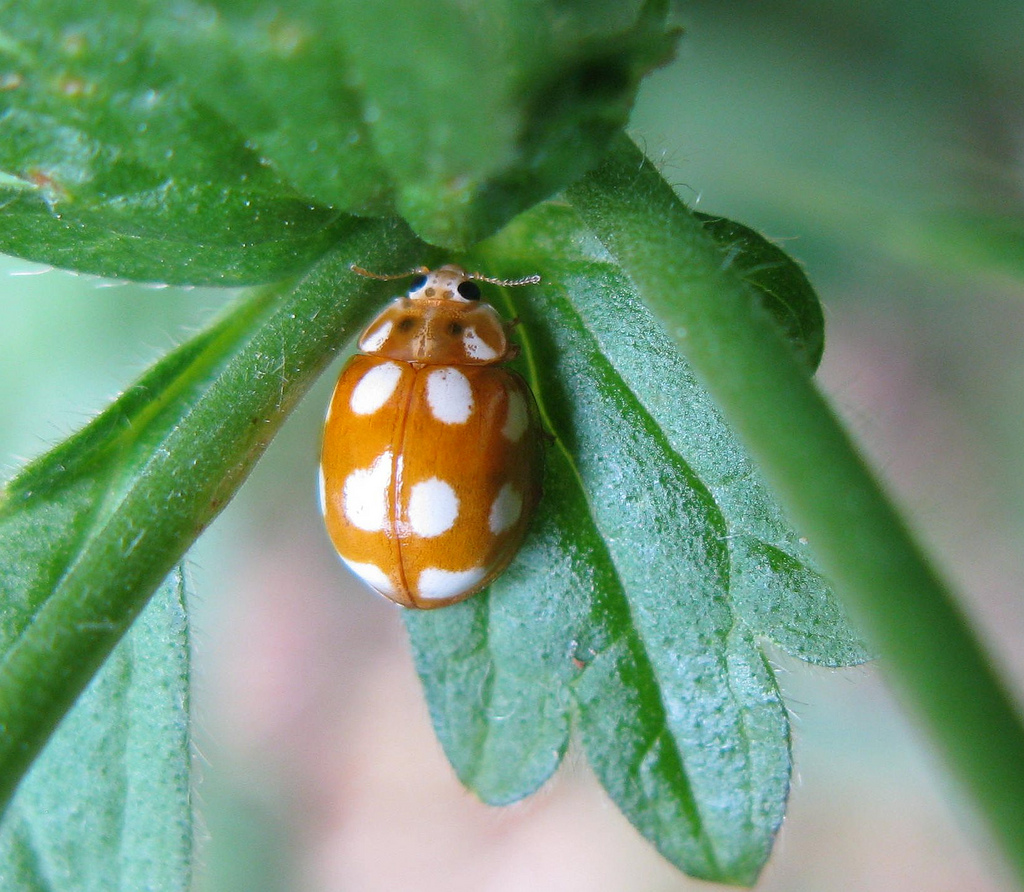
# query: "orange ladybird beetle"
(433, 450)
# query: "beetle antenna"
(508, 283)
(384, 277)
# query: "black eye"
(406, 323)
(417, 283)
(469, 290)
(455, 329)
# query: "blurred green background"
(883, 146)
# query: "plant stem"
(152, 485)
(929, 649)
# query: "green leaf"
(281, 76)
(781, 285)
(628, 336)
(89, 530)
(787, 601)
(478, 111)
(109, 166)
(204, 143)
(912, 617)
(107, 806)
(637, 600)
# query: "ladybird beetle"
(433, 450)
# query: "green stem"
(156, 468)
(929, 649)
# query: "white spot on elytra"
(372, 575)
(476, 347)
(449, 395)
(375, 388)
(518, 418)
(435, 583)
(372, 341)
(505, 510)
(433, 508)
(366, 495)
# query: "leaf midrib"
(633, 632)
